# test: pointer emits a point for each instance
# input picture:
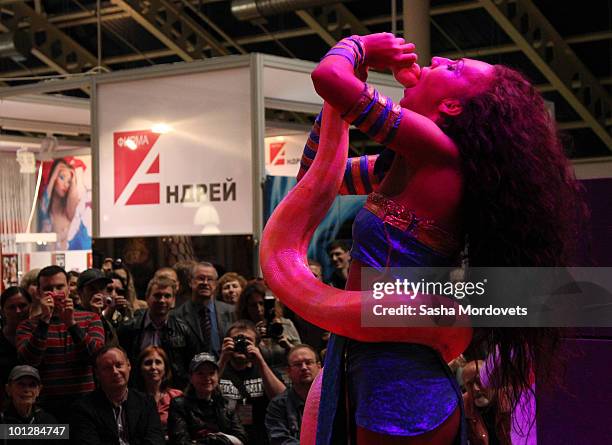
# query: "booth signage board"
(283, 154)
(191, 177)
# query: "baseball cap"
(200, 359)
(91, 276)
(23, 371)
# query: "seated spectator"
(246, 379)
(203, 415)
(60, 342)
(91, 287)
(284, 413)
(22, 389)
(73, 277)
(112, 414)
(275, 345)
(158, 327)
(121, 269)
(230, 286)
(155, 376)
(119, 311)
(14, 308)
(487, 425)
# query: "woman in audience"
(121, 269)
(14, 308)
(155, 375)
(22, 389)
(202, 415)
(29, 282)
(230, 286)
(120, 310)
(282, 335)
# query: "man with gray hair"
(207, 318)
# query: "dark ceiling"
(136, 33)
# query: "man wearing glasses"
(207, 318)
(284, 413)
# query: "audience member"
(73, 277)
(60, 342)
(170, 273)
(121, 269)
(183, 271)
(486, 424)
(284, 413)
(120, 310)
(275, 344)
(107, 265)
(29, 282)
(340, 257)
(230, 287)
(14, 308)
(112, 414)
(22, 389)
(203, 414)
(208, 318)
(158, 327)
(309, 333)
(155, 377)
(246, 379)
(91, 287)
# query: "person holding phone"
(60, 342)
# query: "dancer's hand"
(384, 50)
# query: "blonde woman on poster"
(66, 204)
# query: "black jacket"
(191, 418)
(226, 315)
(93, 421)
(37, 417)
(176, 341)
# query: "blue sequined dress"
(393, 388)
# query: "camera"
(273, 329)
(240, 344)
(108, 301)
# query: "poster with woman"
(9, 270)
(65, 202)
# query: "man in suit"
(112, 414)
(207, 318)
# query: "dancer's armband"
(375, 115)
(359, 177)
(351, 48)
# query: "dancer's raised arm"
(413, 134)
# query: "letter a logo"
(136, 168)
(277, 153)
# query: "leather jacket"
(192, 419)
(176, 341)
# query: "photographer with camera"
(91, 287)
(277, 333)
(246, 379)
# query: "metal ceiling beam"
(50, 45)
(512, 47)
(543, 45)
(173, 27)
(320, 23)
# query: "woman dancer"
(471, 142)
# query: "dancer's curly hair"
(522, 205)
